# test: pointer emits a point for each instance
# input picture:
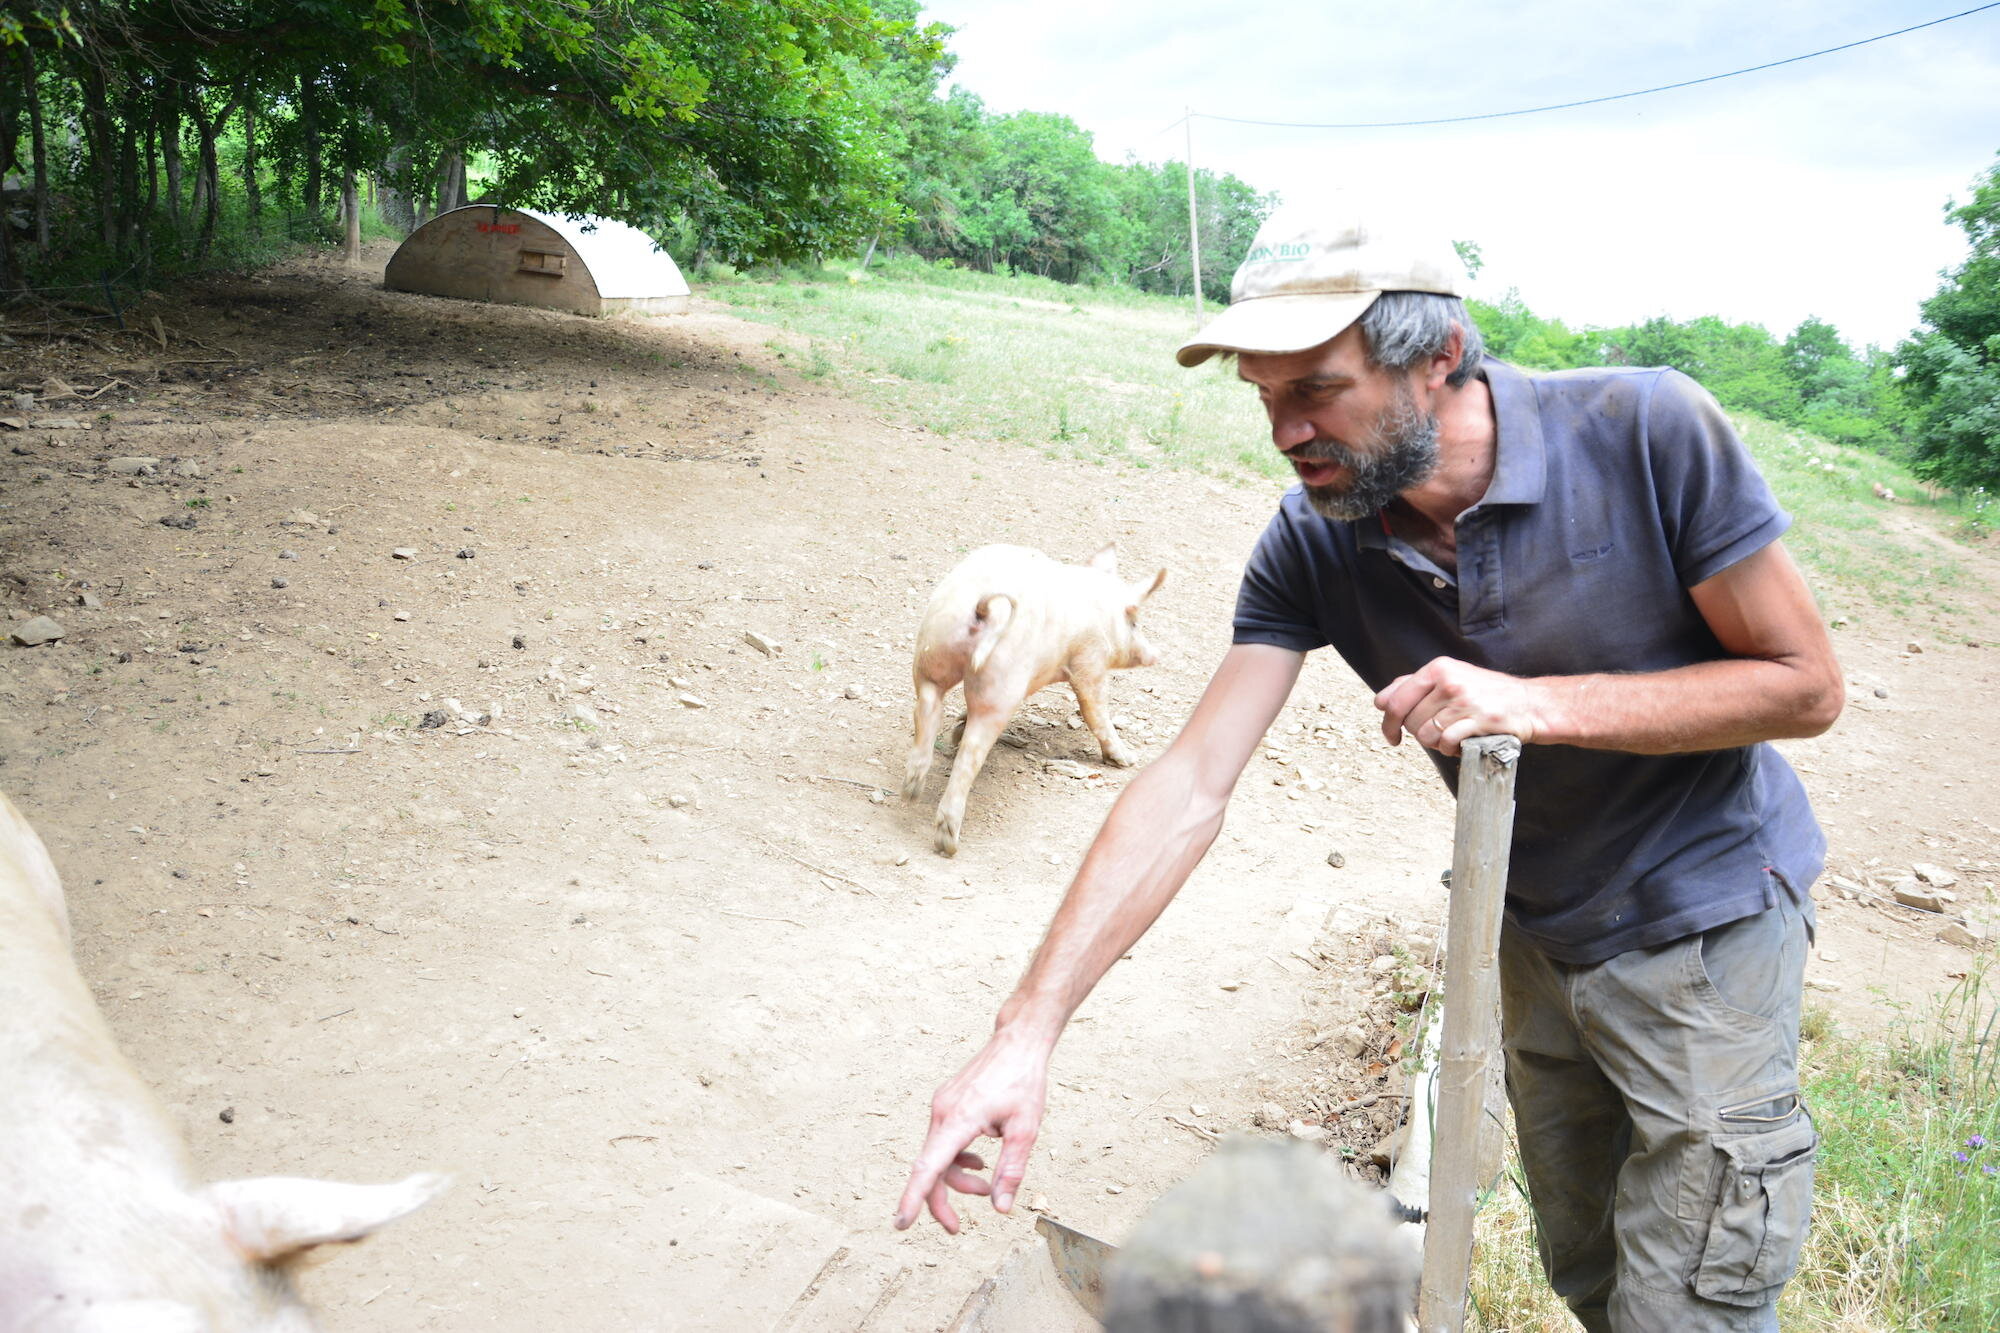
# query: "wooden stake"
(1485, 835)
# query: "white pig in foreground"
(101, 1228)
(1007, 622)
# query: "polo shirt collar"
(1520, 463)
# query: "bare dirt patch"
(515, 858)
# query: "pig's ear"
(1152, 586)
(280, 1217)
(1106, 559)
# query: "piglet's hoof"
(1120, 756)
(947, 839)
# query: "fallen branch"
(818, 870)
(752, 916)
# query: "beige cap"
(1305, 280)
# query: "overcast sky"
(1813, 189)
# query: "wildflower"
(1976, 1141)
(1988, 1170)
(1960, 1157)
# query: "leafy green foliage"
(1953, 366)
(747, 117)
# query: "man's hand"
(1000, 1094)
(1447, 702)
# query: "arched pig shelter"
(592, 266)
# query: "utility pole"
(1194, 222)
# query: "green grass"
(1906, 1208)
(1075, 372)
(1088, 373)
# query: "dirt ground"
(511, 856)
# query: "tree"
(1952, 366)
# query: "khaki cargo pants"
(1656, 1097)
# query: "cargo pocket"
(1757, 1225)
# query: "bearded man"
(1586, 560)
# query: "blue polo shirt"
(1613, 493)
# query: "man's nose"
(1289, 429)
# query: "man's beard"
(1404, 453)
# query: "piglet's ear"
(1147, 589)
(1106, 559)
(279, 1217)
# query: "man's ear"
(276, 1218)
(1106, 559)
(1439, 368)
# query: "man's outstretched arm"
(1156, 833)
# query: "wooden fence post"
(1486, 770)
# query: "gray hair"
(1404, 328)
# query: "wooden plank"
(1485, 835)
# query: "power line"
(1588, 101)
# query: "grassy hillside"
(1089, 373)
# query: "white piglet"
(1007, 622)
(102, 1229)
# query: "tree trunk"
(103, 156)
(309, 125)
(131, 118)
(10, 141)
(451, 180)
(40, 149)
(170, 149)
(350, 210)
(150, 213)
(252, 197)
(208, 173)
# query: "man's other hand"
(1447, 702)
(1000, 1094)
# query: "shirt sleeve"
(1715, 507)
(1274, 603)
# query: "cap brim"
(1276, 324)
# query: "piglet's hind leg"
(929, 712)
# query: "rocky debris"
(90, 601)
(1821, 983)
(851, 692)
(1336, 859)
(401, 615)
(1306, 1133)
(1881, 693)
(183, 521)
(690, 701)
(403, 553)
(1966, 935)
(585, 716)
(768, 646)
(1069, 768)
(680, 802)
(466, 553)
(1935, 876)
(133, 467)
(1913, 647)
(58, 423)
(1271, 1116)
(1910, 893)
(36, 632)
(188, 468)
(300, 518)
(433, 719)
(281, 583)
